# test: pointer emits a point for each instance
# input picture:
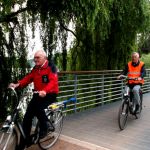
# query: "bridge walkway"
(99, 127)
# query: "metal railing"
(93, 88)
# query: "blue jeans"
(136, 94)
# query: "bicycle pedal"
(51, 129)
(123, 113)
(5, 126)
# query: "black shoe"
(29, 142)
(20, 147)
(50, 127)
(137, 109)
(43, 134)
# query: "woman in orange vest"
(135, 69)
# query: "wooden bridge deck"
(99, 126)
(97, 129)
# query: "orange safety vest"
(135, 72)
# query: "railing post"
(122, 88)
(103, 88)
(75, 88)
(148, 79)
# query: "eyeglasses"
(37, 57)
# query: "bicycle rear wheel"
(123, 115)
(8, 139)
(57, 120)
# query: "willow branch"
(10, 17)
(64, 27)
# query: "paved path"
(99, 126)
(68, 143)
(62, 145)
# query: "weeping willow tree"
(143, 41)
(16, 17)
(109, 33)
(105, 30)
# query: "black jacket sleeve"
(143, 71)
(125, 70)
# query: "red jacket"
(45, 78)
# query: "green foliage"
(102, 27)
(107, 42)
(145, 58)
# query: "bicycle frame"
(128, 99)
(11, 125)
(128, 95)
(15, 124)
(127, 106)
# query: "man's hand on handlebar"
(139, 78)
(13, 85)
(128, 78)
(42, 93)
(121, 77)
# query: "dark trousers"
(36, 108)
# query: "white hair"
(41, 52)
(136, 53)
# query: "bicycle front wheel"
(8, 139)
(57, 120)
(123, 115)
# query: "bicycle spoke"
(8, 140)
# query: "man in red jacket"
(45, 80)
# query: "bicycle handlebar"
(35, 92)
(127, 78)
(53, 105)
(14, 91)
(12, 88)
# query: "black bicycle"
(11, 130)
(128, 105)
